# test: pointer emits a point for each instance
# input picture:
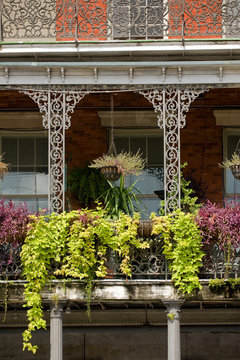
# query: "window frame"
(25, 134)
(228, 131)
(147, 132)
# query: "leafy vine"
(182, 247)
(72, 245)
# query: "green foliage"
(119, 198)
(228, 285)
(182, 247)
(45, 242)
(87, 185)
(75, 244)
(171, 316)
(188, 201)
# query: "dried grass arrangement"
(3, 167)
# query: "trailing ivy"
(45, 243)
(72, 245)
(182, 247)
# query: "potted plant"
(120, 198)
(220, 233)
(85, 186)
(233, 165)
(3, 167)
(124, 163)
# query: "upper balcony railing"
(105, 20)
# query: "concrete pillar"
(56, 343)
(173, 316)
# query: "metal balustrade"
(146, 264)
(104, 20)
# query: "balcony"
(124, 20)
(65, 256)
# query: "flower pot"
(235, 171)
(111, 173)
(145, 228)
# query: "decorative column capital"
(173, 309)
(56, 311)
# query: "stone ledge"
(115, 291)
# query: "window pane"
(232, 144)
(232, 185)
(155, 151)
(41, 183)
(26, 169)
(12, 168)
(9, 149)
(42, 169)
(19, 183)
(138, 143)
(121, 143)
(26, 151)
(34, 204)
(41, 151)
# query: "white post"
(173, 316)
(56, 343)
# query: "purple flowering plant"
(221, 225)
(14, 220)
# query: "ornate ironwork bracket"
(56, 108)
(171, 104)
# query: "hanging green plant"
(87, 185)
(75, 245)
(182, 247)
(45, 243)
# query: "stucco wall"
(127, 343)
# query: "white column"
(56, 343)
(173, 316)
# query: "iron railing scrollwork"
(146, 264)
(103, 20)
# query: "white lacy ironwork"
(171, 104)
(55, 108)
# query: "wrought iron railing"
(104, 20)
(146, 264)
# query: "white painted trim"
(227, 117)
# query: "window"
(27, 179)
(150, 143)
(232, 185)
